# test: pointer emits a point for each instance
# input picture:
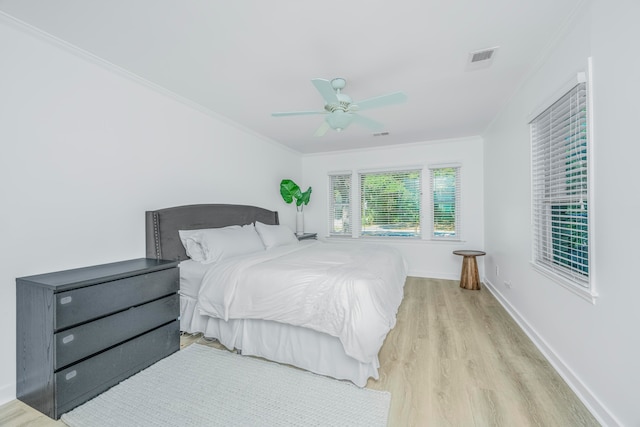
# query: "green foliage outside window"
(444, 201)
(341, 204)
(570, 236)
(390, 203)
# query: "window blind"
(340, 204)
(390, 203)
(560, 187)
(445, 203)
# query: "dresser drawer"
(79, 383)
(84, 340)
(84, 304)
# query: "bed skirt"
(293, 345)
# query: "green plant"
(290, 192)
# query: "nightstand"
(306, 236)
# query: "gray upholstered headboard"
(162, 225)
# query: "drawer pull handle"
(68, 339)
(70, 375)
(65, 300)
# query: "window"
(340, 204)
(560, 188)
(445, 203)
(390, 203)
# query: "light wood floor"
(455, 358)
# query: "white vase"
(299, 223)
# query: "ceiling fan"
(340, 111)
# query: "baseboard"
(7, 393)
(433, 274)
(593, 404)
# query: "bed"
(245, 302)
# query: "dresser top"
(86, 276)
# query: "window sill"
(409, 240)
(586, 294)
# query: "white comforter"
(350, 291)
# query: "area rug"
(203, 386)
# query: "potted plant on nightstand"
(290, 191)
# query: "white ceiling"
(244, 59)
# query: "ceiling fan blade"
(367, 122)
(326, 90)
(324, 127)
(382, 101)
(297, 113)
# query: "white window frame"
(426, 203)
(347, 175)
(457, 236)
(575, 273)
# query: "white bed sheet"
(191, 273)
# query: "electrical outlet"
(507, 284)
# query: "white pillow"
(275, 235)
(216, 244)
(191, 243)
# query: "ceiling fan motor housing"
(344, 104)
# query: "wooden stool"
(469, 277)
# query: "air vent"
(481, 58)
(381, 134)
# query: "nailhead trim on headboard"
(156, 234)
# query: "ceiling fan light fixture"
(339, 120)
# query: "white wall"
(85, 151)
(426, 258)
(595, 347)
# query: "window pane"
(569, 236)
(445, 208)
(390, 203)
(340, 204)
(560, 187)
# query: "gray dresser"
(82, 331)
